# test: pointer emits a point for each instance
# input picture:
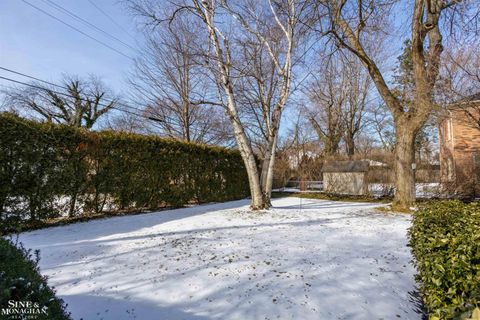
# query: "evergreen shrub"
(49, 170)
(445, 241)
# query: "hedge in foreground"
(49, 170)
(20, 282)
(445, 241)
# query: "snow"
(303, 259)
(296, 190)
(423, 190)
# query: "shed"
(345, 177)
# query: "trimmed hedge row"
(49, 170)
(445, 241)
(21, 282)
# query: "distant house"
(374, 163)
(459, 137)
(345, 177)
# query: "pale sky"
(34, 43)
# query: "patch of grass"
(332, 197)
(20, 280)
(390, 210)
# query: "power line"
(128, 110)
(111, 19)
(70, 96)
(85, 22)
(33, 78)
(78, 30)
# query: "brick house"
(459, 138)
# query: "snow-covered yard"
(304, 259)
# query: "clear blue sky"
(34, 43)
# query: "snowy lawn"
(304, 259)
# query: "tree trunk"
(350, 145)
(258, 201)
(268, 164)
(224, 64)
(73, 203)
(404, 173)
(269, 184)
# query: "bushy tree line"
(48, 170)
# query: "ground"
(303, 259)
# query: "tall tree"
(381, 123)
(350, 21)
(168, 79)
(358, 91)
(276, 26)
(460, 81)
(326, 99)
(338, 97)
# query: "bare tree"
(169, 80)
(381, 123)
(303, 150)
(349, 22)
(459, 88)
(338, 97)
(126, 122)
(76, 102)
(357, 101)
(326, 99)
(276, 26)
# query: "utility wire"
(127, 110)
(111, 19)
(85, 22)
(78, 30)
(33, 78)
(68, 95)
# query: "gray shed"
(345, 177)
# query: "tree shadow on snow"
(123, 224)
(301, 272)
(96, 307)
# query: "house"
(375, 163)
(459, 138)
(345, 177)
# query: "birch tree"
(276, 26)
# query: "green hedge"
(20, 281)
(50, 170)
(445, 241)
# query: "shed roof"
(345, 166)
